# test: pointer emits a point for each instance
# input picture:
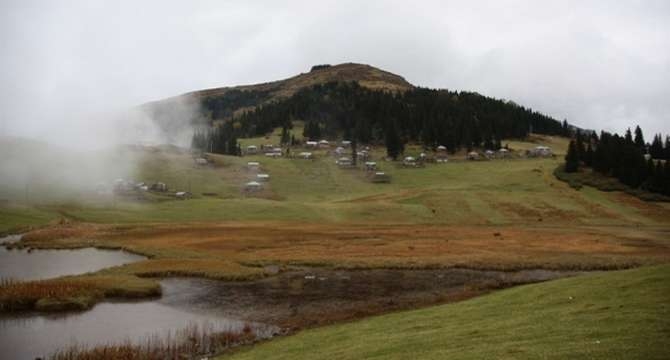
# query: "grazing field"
(504, 214)
(598, 316)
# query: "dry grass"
(205, 268)
(226, 250)
(187, 343)
(71, 293)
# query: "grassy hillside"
(365, 75)
(498, 192)
(617, 315)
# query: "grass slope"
(616, 315)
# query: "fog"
(74, 72)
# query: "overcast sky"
(600, 64)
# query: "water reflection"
(27, 336)
(21, 264)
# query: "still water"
(20, 264)
(32, 335)
(27, 336)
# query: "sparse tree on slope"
(572, 158)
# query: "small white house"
(442, 148)
(409, 161)
(252, 149)
(363, 155)
(311, 144)
(253, 186)
(324, 144)
(370, 166)
(201, 161)
(540, 151)
(339, 150)
(273, 154)
(306, 155)
(262, 177)
(344, 162)
(345, 143)
(381, 177)
(472, 155)
(182, 195)
(489, 154)
(253, 165)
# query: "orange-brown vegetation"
(222, 250)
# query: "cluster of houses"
(257, 178)
(343, 156)
(503, 153)
(130, 188)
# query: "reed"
(194, 341)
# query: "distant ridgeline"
(346, 109)
(627, 158)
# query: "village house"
(381, 177)
(159, 186)
(441, 154)
(311, 144)
(344, 162)
(306, 155)
(262, 177)
(253, 186)
(252, 149)
(503, 153)
(183, 195)
(472, 155)
(267, 148)
(363, 155)
(409, 161)
(489, 154)
(324, 144)
(253, 165)
(345, 143)
(370, 166)
(540, 151)
(201, 161)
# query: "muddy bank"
(313, 297)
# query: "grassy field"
(499, 214)
(499, 192)
(615, 315)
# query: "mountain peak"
(365, 75)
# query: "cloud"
(601, 65)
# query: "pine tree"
(572, 158)
(656, 149)
(628, 137)
(588, 155)
(393, 142)
(285, 136)
(639, 138)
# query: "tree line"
(628, 158)
(432, 117)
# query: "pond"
(27, 336)
(296, 299)
(23, 264)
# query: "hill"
(572, 318)
(353, 101)
(247, 97)
(366, 75)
